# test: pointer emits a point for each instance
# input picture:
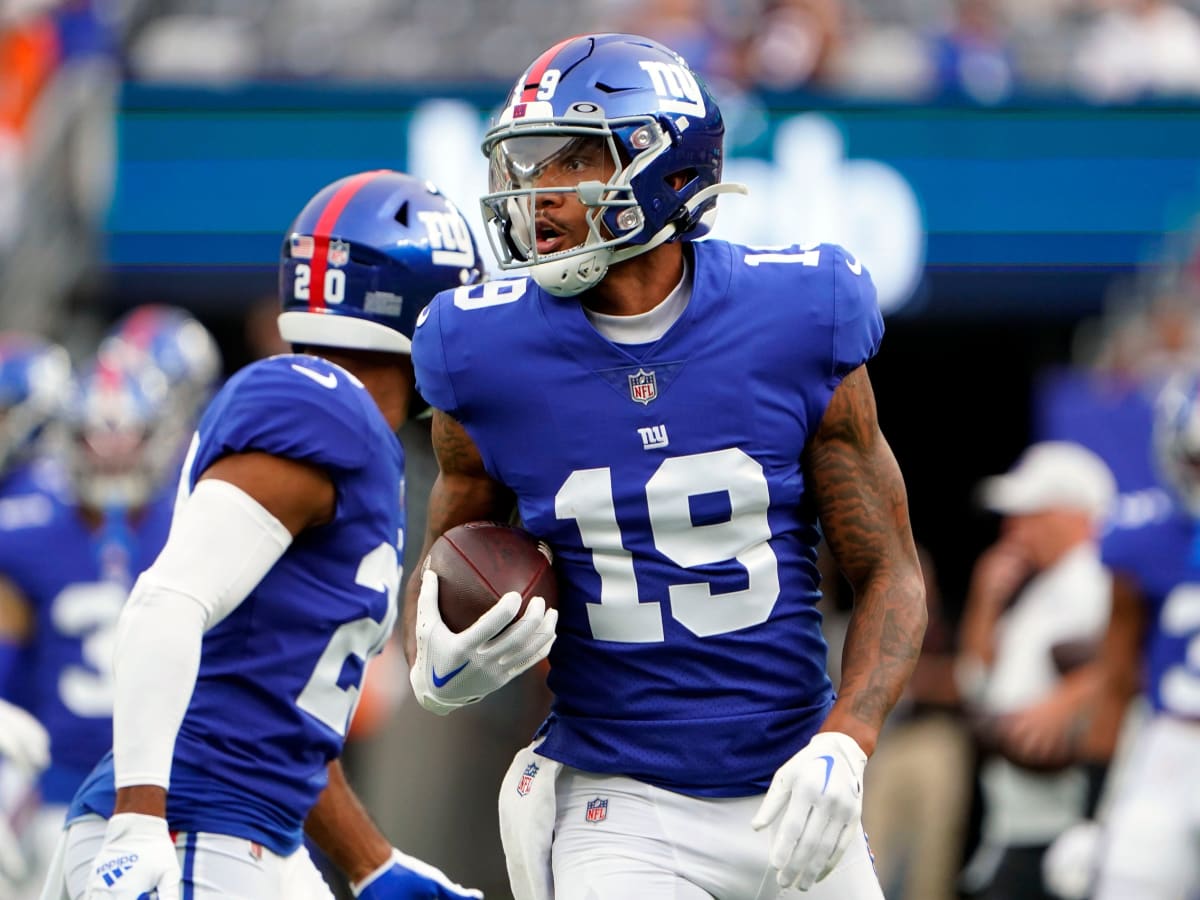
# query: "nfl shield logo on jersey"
(339, 253)
(525, 785)
(642, 386)
(597, 810)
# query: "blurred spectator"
(972, 58)
(687, 27)
(57, 144)
(1136, 48)
(794, 43)
(1038, 601)
(919, 780)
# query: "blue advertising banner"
(1007, 205)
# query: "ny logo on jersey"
(677, 88)
(449, 238)
(597, 810)
(642, 386)
(654, 437)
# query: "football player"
(1151, 844)
(240, 651)
(35, 377)
(105, 515)
(680, 420)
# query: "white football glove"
(138, 857)
(452, 670)
(815, 801)
(23, 740)
(1070, 866)
(405, 877)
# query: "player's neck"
(388, 378)
(639, 284)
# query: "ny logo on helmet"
(449, 238)
(677, 89)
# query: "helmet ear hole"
(677, 181)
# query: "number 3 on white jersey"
(587, 497)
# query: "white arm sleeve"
(222, 543)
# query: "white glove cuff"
(359, 886)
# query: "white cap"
(1052, 475)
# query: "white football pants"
(572, 835)
(1151, 845)
(214, 865)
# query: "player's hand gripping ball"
(479, 562)
(485, 614)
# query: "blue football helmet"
(365, 256)
(117, 453)
(656, 119)
(35, 381)
(177, 344)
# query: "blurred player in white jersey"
(680, 420)
(241, 650)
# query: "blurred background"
(1021, 177)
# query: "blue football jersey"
(279, 677)
(1158, 545)
(76, 577)
(667, 478)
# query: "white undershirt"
(646, 327)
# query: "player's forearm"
(342, 828)
(883, 642)
(157, 657)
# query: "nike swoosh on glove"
(452, 670)
(405, 877)
(23, 740)
(815, 802)
(137, 858)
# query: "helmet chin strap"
(576, 274)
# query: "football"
(478, 562)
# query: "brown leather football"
(478, 562)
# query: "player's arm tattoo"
(462, 492)
(863, 507)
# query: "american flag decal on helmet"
(302, 246)
(525, 785)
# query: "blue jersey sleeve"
(858, 323)
(295, 407)
(429, 357)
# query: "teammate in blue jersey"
(1151, 846)
(240, 651)
(106, 517)
(682, 421)
(35, 378)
